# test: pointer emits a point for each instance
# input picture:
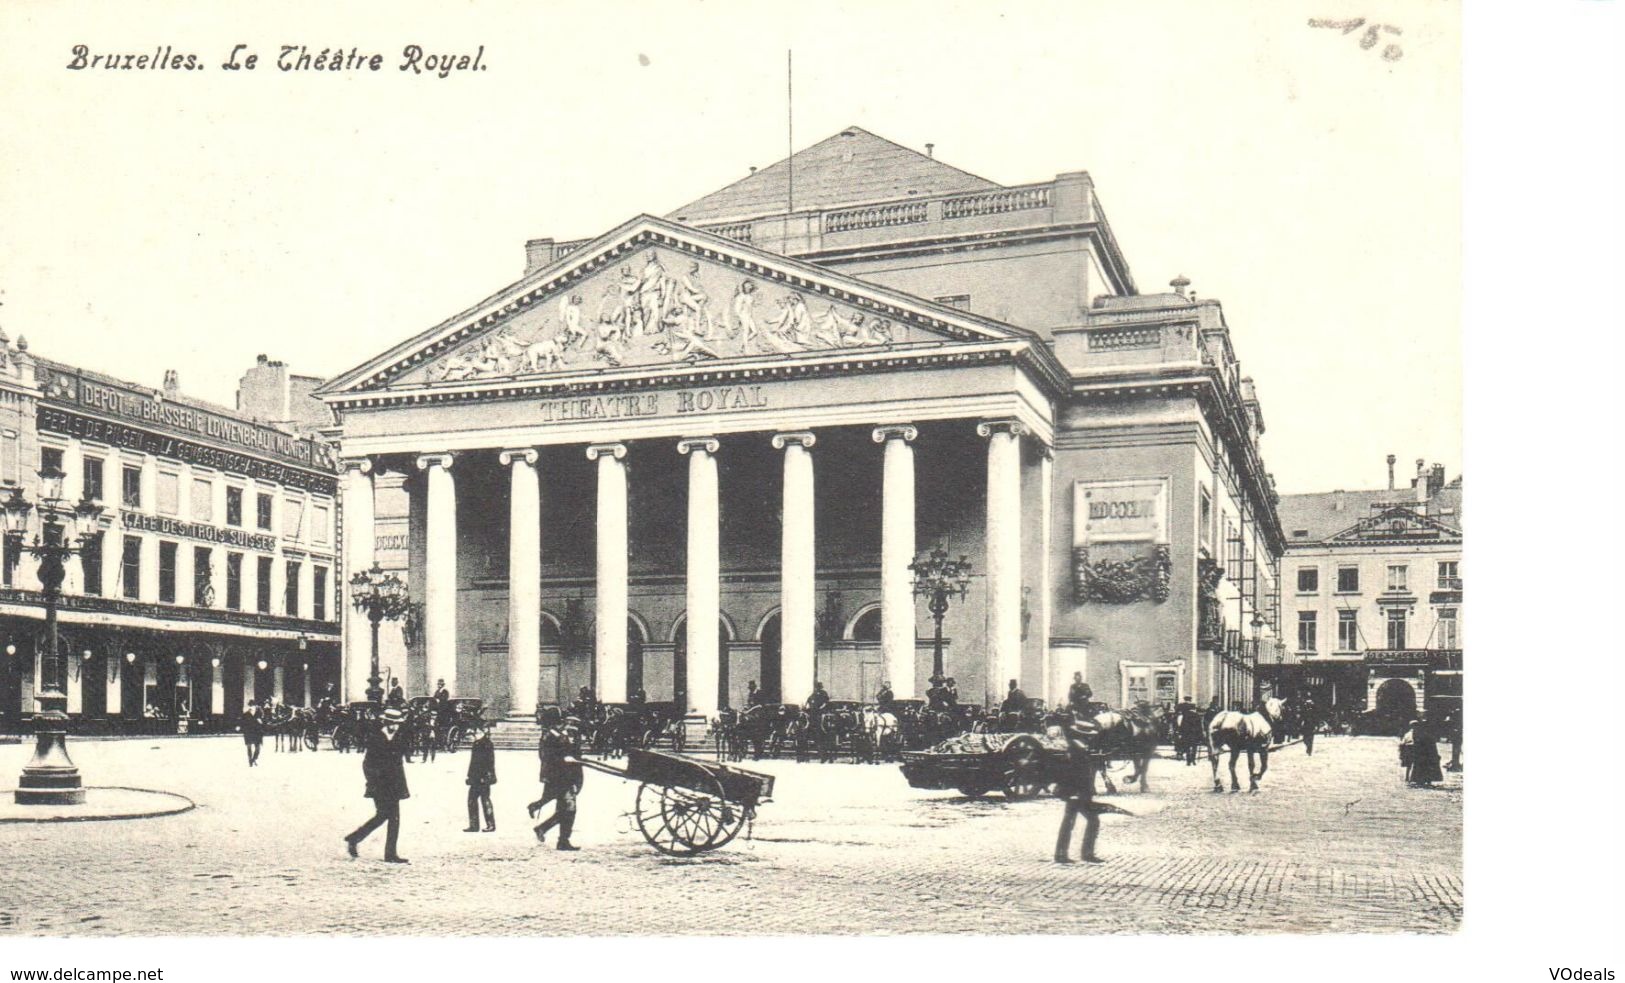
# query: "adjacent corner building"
(1373, 596)
(212, 579)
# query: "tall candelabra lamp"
(937, 579)
(65, 530)
(381, 597)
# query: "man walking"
(253, 733)
(482, 774)
(1077, 788)
(385, 773)
(561, 781)
(1308, 722)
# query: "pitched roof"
(851, 167)
(1319, 516)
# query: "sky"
(194, 219)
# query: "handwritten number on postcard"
(1370, 39)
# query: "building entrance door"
(1396, 697)
(772, 681)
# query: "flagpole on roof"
(790, 132)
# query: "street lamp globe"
(50, 482)
(16, 509)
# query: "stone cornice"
(912, 357)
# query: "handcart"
(687, 806)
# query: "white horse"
(881, 727)
(1238, 732)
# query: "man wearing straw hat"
(385, 772)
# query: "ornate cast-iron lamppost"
(50, 777)
(937, 578)
(381, 597)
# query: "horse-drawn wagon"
(1019, 765)
(687, 806)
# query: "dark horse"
(1238, 732)
(1123, 735)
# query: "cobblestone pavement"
(1332, 843)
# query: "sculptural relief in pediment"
(660, 309)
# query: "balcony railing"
(876, 217)
(997, 202)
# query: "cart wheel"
(972, 791)
(312, 739)
(341, 740)
(455, 739)
(682, 822)
(1023, 764)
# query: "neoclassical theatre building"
(753, 414)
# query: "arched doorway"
(771, 637)
(680, 663)
(1396, 697)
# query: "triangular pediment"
(658, 294)
(1397, 523)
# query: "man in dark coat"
(1077, 787)
(385, 772)
(1189, 732)
(561, 781)
(1015, 701)
(1079, 695)
(885, 700)
(397, 696)
(253, 733)
(1308, 722)
(442, 707)
(482, 774)
(950, 693)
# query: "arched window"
(866, 626)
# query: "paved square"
(1333, 843)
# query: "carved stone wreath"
(1143, 577)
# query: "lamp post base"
(375, 690)
(50, 777)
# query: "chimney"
(753, 168)
(931, 150)
(172, 383)
(1391, 460)
(1435, 480)
(1179, 283)
(1337, 500)
(1421, 482)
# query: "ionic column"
(440, 575)
(704, 575)
(609, 638)
(359, 540)
(1051, 687)
(798, 568)
(524, 579)
(897, 618)
(1003, 554)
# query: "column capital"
(517, 454)
(595, 451)
(427, 461)
(707, 444)
(905, 432)
(800, 438)
(361, 465)
(1014, 428)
